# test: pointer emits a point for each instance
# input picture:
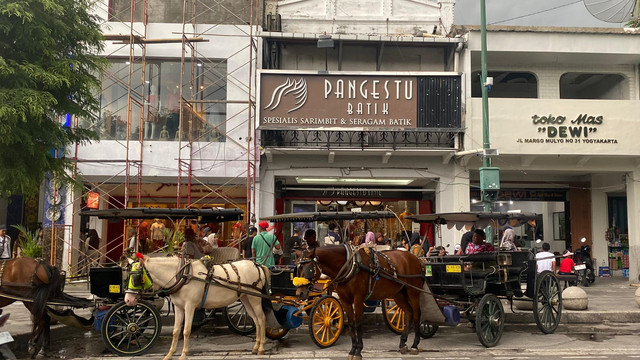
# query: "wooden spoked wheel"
(131, 330)
(489, 320)
(238, 320)
(393, 316)
(547, 303)
(326, 321)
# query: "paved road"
(613, 341)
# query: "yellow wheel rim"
(326, 321)
(395, 315)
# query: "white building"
(563, 111)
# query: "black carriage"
(133, 330)
(476, 284)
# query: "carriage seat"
(222, 255)
(481, 257)
(569, 279)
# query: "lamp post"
(489, 176)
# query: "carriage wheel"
(131, 330)
(276, 333)
(393, 316)
(238, 320)
(489, 320)
(547, 304)
(326, 321)
(427, 330)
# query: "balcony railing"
(350, 139)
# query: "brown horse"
(360, 274)
(33, 282)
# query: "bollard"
(574, 298)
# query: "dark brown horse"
(360, 274)
(33, 282)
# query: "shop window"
(162, 11)
(507, 84)
(161, 103)
(594, 86)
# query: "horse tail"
(267, 305)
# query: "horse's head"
(138, 281)
(308, 271)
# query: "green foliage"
(28, 242)
(172, 239)
(49, 67)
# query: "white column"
(599, 219)
(265, 195)
(452, 195)
(633, 209)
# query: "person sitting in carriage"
(478, 245)
(193, 247)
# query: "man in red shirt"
(567, 266)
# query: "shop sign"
(93, 200)
(560, 129)
(336, 193)
(306, 101)
(527, 195)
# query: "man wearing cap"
(567, 266)
(263, 245)
(5, 244)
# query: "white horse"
(227, 287)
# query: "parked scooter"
(5, 339)
(584, 265)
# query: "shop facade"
(562, 114)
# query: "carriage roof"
(204, 215)
(329, 215)
(477, 219)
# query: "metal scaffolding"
(194, 130)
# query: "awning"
(477, 219)
(329, 215)
(203, 215)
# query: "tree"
(49, 67)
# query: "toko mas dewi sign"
(307, 101)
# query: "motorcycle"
(584, 265)
(5, 339)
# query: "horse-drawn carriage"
(476, 283)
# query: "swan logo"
(297, 87)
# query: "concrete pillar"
(599, 219)
(452, 195)
(265, 194)
(633, 210)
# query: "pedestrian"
(246, 248)
(93, 247)
(545, 259)
(263, 245)
(332, 238)
(194, 247)
(370, 239)
(293, 243)
(5, 243)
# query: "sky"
(574, 14)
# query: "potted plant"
(28, 242)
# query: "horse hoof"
(254, 352)
(349, 357)
(404, 350)
(261, 352)
(357, 357)
(414, 351)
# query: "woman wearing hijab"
(508, 238)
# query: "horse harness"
(13, 294)
(185, 275)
